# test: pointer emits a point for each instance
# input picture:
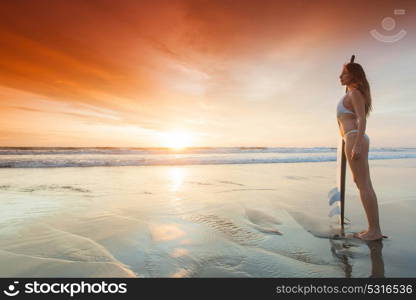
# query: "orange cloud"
(154, 63)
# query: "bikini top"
(341, 109)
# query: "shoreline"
(247, 220)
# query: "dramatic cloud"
(216, 68)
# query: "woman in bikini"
(352, 111)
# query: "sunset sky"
(215, 73)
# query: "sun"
(177, 139)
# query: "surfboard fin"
(334, 211)
(334, 196)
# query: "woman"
(352, 111)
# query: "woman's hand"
(356, 151)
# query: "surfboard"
(342, 162)
(341, 172)
(336, 197)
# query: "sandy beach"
(239, 220)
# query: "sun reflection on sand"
(178, 252)
(166, 232)
(176, 175)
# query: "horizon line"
(184, 148)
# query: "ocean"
(53, 157)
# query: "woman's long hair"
(359, 81)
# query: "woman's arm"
(339, 127)
(358, 102)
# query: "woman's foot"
(358, 234)
(369, 235)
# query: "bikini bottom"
(354, 130)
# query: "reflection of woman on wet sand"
(352, 111)
(339, 249)
(377, 263)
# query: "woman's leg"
(361, 175)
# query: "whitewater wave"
(34, 161)
(138, 151)
(190, 150)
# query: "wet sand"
(248, 220)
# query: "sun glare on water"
(177, 139)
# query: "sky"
(134, 73)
